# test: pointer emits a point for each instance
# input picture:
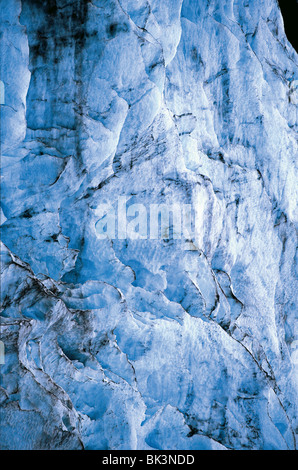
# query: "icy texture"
(145, 344)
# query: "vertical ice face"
(123, 343)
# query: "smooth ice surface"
(148, 344)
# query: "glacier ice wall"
(147, 344)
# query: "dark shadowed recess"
(49, 6)
(289, 9)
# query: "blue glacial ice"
(167, 343)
